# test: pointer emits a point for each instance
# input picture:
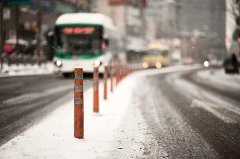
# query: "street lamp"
(39, 23)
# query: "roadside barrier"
(95, 90)
(105, 78)
(121, 73)
(111, 77)
(78, 104)
(117, 75)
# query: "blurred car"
(215, 63)
(188, 61)
(10, 45)
(231, 65)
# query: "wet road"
(182, 115)
(27, 99)
(190, 117)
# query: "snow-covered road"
(175, 112)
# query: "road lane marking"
(209, 107)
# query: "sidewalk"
(26, 69)
(53, 137)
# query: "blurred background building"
(200, 25)
(50, 10)
(195, 29)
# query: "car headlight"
(158, 65)
(58, 63)
(145, 65)
(206, 63)
(97, 63)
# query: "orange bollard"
(111, 76)
(105, 82)
(95, 90)
(121, 73)
(117, 76)
(78, 104)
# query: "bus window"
(80, 40)
(165, 53)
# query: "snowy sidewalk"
(53, 137)
(26, 69)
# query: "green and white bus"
(85, 40)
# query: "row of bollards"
(116, 73)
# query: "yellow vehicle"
(156, 56)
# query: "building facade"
(200, 24)
(27, 17)
(204, 24)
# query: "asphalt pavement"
(25, 100)
(172, 113)
(190, 117)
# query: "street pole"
(238, 23)
(89, 3)
(142, 18)
(39, 23)
(126, 23)
(1, 33)
(16, 27)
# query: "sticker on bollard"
(78, 101)
(95, 80)
(78, 88)
(95, 88)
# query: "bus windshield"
(79, 39)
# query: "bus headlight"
(58, 63)
(145, 65)
(97, 63)
(158, 65)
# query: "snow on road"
(118, 131)
(218, 77)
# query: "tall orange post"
(120, 73)
(95, 90)
(105, 82)
(111, 76)
(78, 104)
(117, 75)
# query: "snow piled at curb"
(27, 69)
